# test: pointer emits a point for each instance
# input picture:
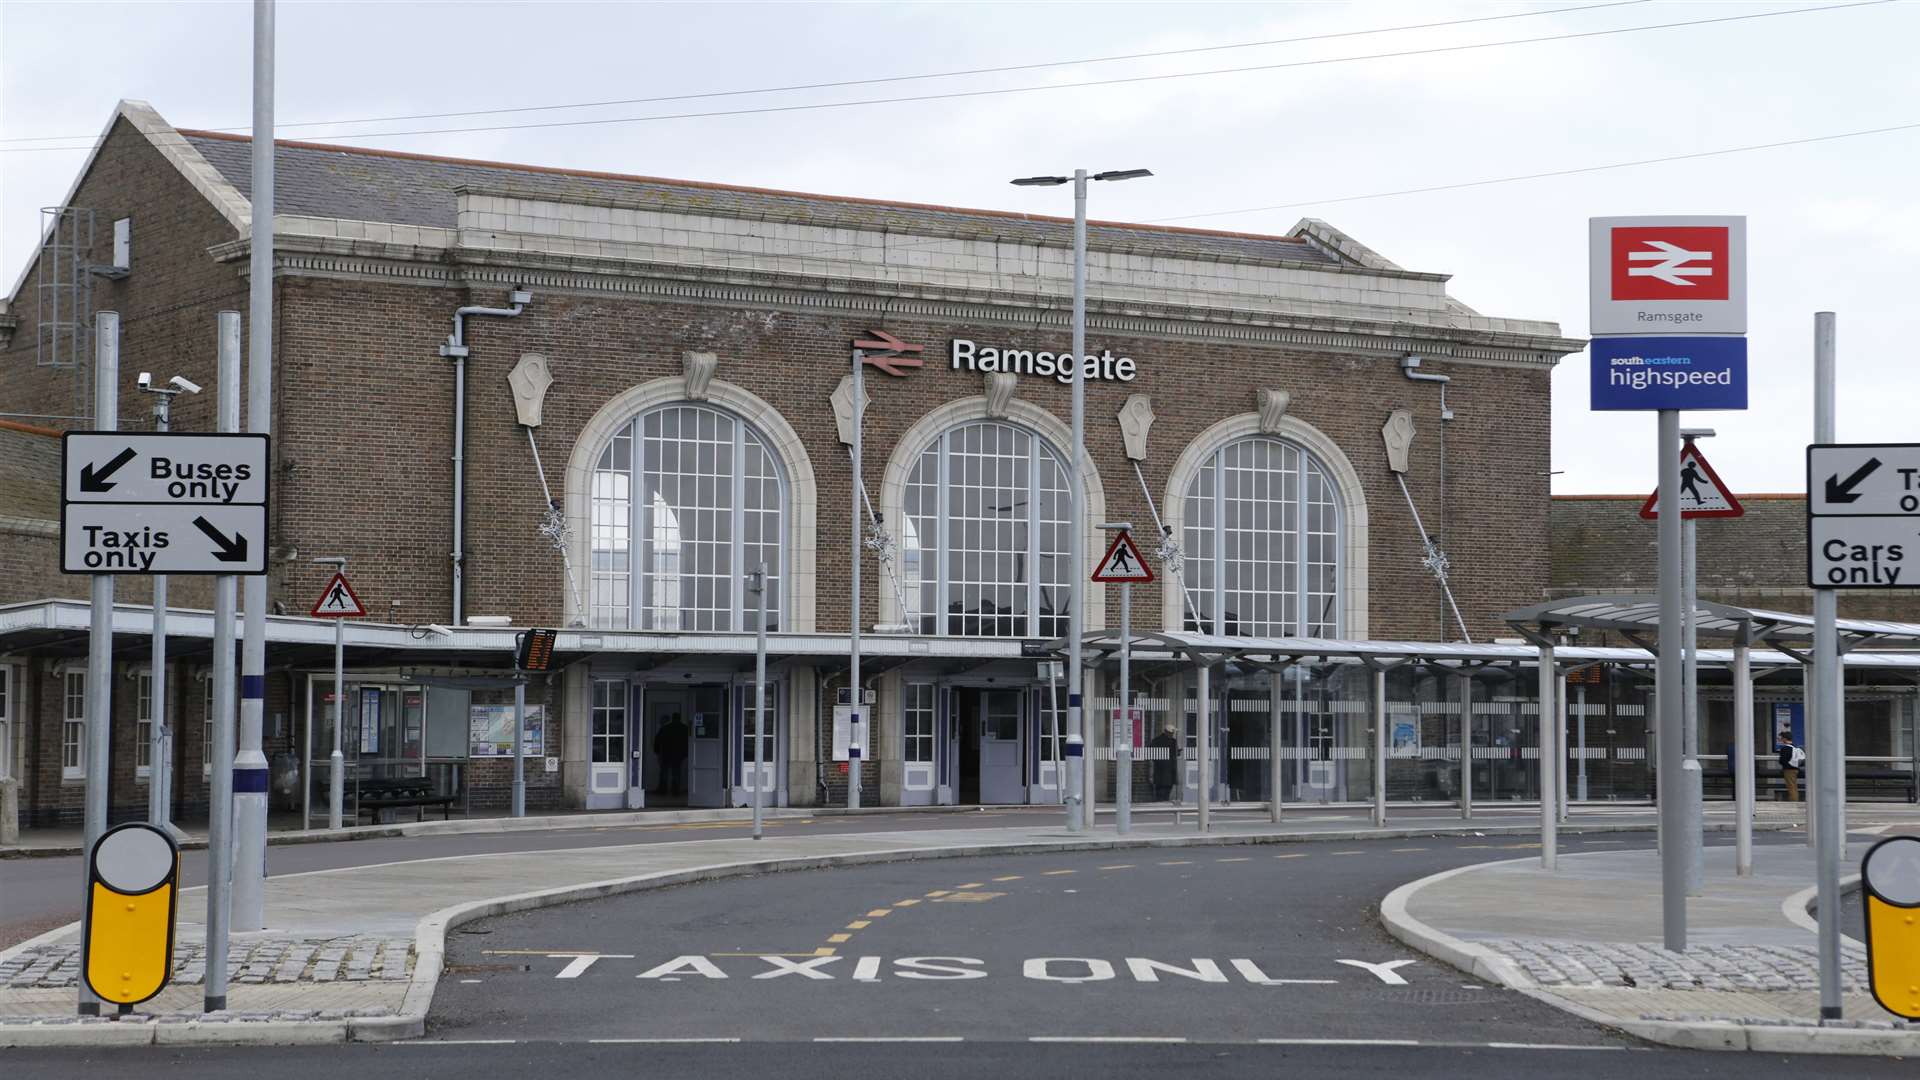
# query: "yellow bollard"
(1890, 887)
(127, 940)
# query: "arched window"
(686, 501)
(1262, 539)
(984, 539)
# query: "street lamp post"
(1077, 766)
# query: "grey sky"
(1834, 225)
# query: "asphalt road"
(38, 894)
(1029, 923)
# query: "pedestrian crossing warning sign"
(337, 601)
(1702, 494)
(1122, 563)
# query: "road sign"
(1678, 372)
(1122, 563)
(888, 353)
(1890, 889)
(164, 467)
(1863, 479)
(1668, 275)
(1702, 494)
(1863, 516)
(132, 889)
(163, 503)
(338, 601)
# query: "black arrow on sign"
(1841, 491)
(232, 548)
(95, 480)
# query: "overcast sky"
(1834, 225)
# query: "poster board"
(490, 731)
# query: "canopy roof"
(1640, 614)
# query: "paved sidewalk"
(1587, 938)
(328, 969)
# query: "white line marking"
(458, 1042)
(1548, 1046)
(1106, 1038)
(717, 1039)
(1338, 1042)
(888, 1038)
(470, 982)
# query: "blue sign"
(1685, 372)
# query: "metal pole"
(519, 744)
(853, 617)
(1824, 757)
(1690, 709)
(1276, 683)
(1549, 817)
(1379, 746)
(220, 771)
(1077, 817)
(249, 763)
(159, 774)
(1810, 716)
(99, 702)
(1466, 746)
(1580, 709)
(1053, 717)
(1123, 746)
(760, 696)
(1204, 699)
(1742, 759)
(336, 759)
(1560, 769)
(1674, 856)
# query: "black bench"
(375, 796)
(1767, 778)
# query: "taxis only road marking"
(1385, 972)
(820, 966)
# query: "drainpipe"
(455, 349)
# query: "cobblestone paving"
(227, 1017)
(1701, 967)
(270, 960)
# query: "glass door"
(1001, 729)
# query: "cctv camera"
(146, 380)
(185, 383)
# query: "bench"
(1767, 778)
(376, 796)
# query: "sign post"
(339, 603)
(1123, 565)
(532, 651)
(1668, 301)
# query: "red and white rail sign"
(1669, 275)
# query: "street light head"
(1123, 174)
(332, 560)
(1040, 181)
(1691, 433)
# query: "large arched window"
(686, 501)
(984, 535)
(1261, 531)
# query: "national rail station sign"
(163, 503)
(1667, 274)
(1863, 516)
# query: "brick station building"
(680, 367)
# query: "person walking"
(1792, 761)
(1163, 763)
(670, 746)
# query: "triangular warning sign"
(1701, 492)
(337, 601)
(1122, 563)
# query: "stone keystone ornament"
(1398, 434)
(1272, 405)
(529, 380)
(843, 407)
(1000, 388)
(1136, 419)
(699, 372)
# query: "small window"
(73, 726)
(917, 722)
(143, 726)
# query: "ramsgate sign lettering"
(972, 356)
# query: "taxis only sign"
(163, 503)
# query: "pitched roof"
(358, 184)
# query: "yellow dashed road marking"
(1009, 877)
(858, 924)
(1177, 862)
(969, 897)
(905, 903)
(1409, 849)
(970, 885)
(1349, 853)
(937, 893)
(1233, 860)
(1057, 873)
(1119, 866)
(879, 913)
(1293, 855)
(1474, 847)
(839, 939)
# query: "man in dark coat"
(1792, 760)
(1163, 766)
(670, 746)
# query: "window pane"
(1268, 509)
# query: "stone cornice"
(338, 257)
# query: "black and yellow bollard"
(1890, 887)
(127, 941)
